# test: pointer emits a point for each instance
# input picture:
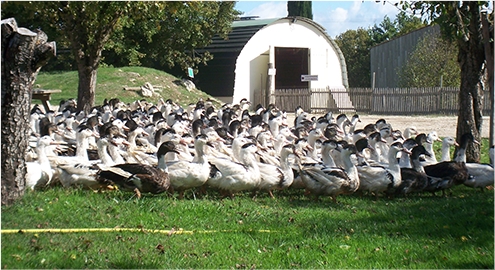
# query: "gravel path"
(443, 125)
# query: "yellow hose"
(83, 230)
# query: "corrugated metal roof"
(241, 32)
(243, 23)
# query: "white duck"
(233, 177)
(137, 154)
(39, 173)
(277, 177)
(447, 142)
(405, 160)
(186, 174)
(332, 181)
(81, 174)
(314, 135)
(342, 122)
(82, 146)
(274, 124)
(352, 127)
(377, 179)
(374, 152)
(409, 132)
(115, 150)
(431, 138)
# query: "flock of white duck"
(148, 148)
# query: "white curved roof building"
(260, 56)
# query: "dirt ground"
(443, 125)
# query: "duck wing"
(456, 171)
(134, 175)
(375, 179)
(412, 181)
(187, 174)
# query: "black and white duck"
(482, 174)
(332, 181)
(414, 179)
(378, 179)
(137, 177)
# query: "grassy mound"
(112, 81)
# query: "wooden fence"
(387, 101)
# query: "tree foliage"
(166, 32)
(300, 8)
(388, 29)
(356, 45)
(433, 59)
(169, 36)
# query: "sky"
(335, 16)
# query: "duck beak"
(405, 150)
(298, 153)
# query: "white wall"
(324, 60)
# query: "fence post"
(270, 87)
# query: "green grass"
(484, 150)
(111, 83)
(416, 232)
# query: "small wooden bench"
(44, 96)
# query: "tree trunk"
(87, 86)
(471, 58)
(488, 46)
(23, 54)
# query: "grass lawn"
(292, 231)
